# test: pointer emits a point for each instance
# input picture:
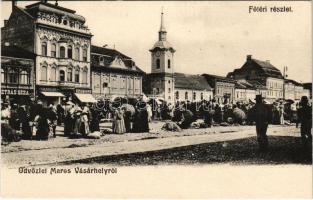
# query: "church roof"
(163, 45)
(191, 82)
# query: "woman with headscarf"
(69, 120)
(84, 127)
(141, 122)
(24, 120)
(94, 120)
(42, 124)
(77, 122)
(118, 121)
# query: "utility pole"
(285, 77)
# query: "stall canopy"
(52, 94)
(85, 98)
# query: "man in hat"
(305, 118)
(261, 116)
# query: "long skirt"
(119, 126)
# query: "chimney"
(249, 57)
(14, 3)
(44, 1)
(6, 22)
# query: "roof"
(257, 84)
(268, 68)
(188, 81)
(265, 67)
(107, 51)
(243, 84)
(16, 52)
(293, 82)
(109, 56)
(307, 86)
(162, 45)
(33, 9)
(221, 78)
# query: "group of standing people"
(80, 120)
(129, 118)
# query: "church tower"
(162, 66)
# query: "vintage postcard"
(156, 99)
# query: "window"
(77, 75)
(169, 97)
(62, 75)
(169, 90)
(69, 52)
(169, 63)
(194, 96)
(186, 95)
(53, 51)
(85, 76)
(177, 95)
(12, 76)
(3, 76)
(24, 77)
(69, 75)
(201, 96)
(44, 49)
(44, 73)
(77, 53)
(158, 63)
(62, 52)
(53, 74)
(169, 82)
(85, 55)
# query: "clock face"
(158, 54)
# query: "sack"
(171, 126)
(95, 135)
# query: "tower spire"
(162, 31)
(162, 28)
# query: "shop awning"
(85, 98)
(52, 94)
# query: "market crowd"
(39, 122)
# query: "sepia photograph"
(158, 99)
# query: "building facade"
(223, 88)
(61, 41)
(264, 73)
(244, 91)
(17, 75)
(114, 74)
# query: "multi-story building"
(263, 72)
(114, 74)
(308, 86)
(61, 41)
(298, 91)
(192, 88)
(244, 91)
(165, 83)
(17, 74)
(289, 89)
(223, 88)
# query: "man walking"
(261, 116)
(305, 118)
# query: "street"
(232, 144)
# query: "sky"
(209, 36)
